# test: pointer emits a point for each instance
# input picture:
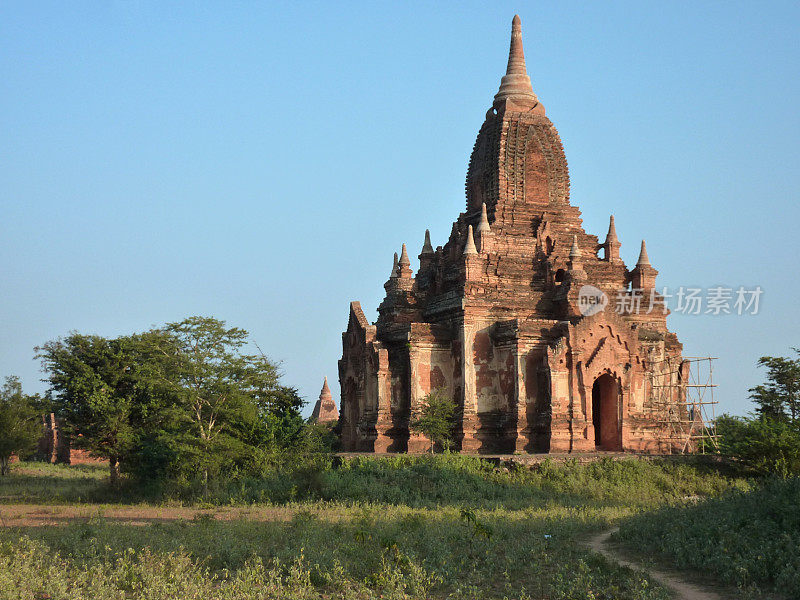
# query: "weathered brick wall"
(54, 446)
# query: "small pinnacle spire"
(644, 260)
(483, 226)
(469, 247)
(427, 248)
(643, 275)
(404, 262)
(574, 252)
(395, 269)
(515, 82)
(612, 232)
(404, 265)
(325, 389)
(612, 244)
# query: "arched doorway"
(605, 413)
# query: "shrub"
(746, 539)
(767, 445)
(435, 418)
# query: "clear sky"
(261, 162)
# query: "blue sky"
(261, 162)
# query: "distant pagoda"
(325, 410)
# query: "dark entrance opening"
(605, 413)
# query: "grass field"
(55, 484)
(402, 527)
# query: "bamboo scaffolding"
(685, 403)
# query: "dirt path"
(683, 589)
(40, 515)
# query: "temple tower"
(498, 314)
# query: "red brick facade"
(495, 316)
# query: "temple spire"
(427, 247)
(394, 267)
(516, 55)
(404, 264)
(574, 261)
(469, 247)
(404, 261)
(515, 83)
(483, 225)
(612, 242)
(574, 252)
(644, 260)
(643, 275)
(611, 236)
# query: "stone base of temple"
(524, 443)
(418, 444)
(383, 444)
(478, 438)
(470, 444)
(581, 444)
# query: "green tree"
(765, 444)
(20, 422)
(769, 440)
(161, 431)
(779, 397)
(222, 390)
(93, 387)
(284, 426)
(435, 418)
(283, 401)
(180, 401)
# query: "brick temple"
(518, 316)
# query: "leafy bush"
(745, 539)
(435, 419)
(767, 445)
(20, 425)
